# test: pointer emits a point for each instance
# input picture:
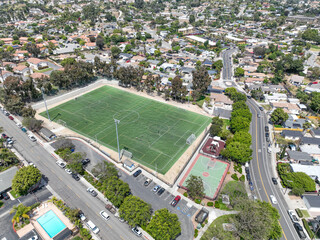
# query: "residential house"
(22, 70)
(312, 88)
(312, 203)
(37, 63)
(6, 179)
(292, 135)
(221, 101)
(299, 157)
(311, 170)
(5, 74)
(287, 107)
(310, 145)
(294, 122)
(296, 80)
(315, 132)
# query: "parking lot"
(146, 193)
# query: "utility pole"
(45, 103)
(117, 122)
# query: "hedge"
(210, 204)
(298, 211)
(242, 178)
(198, 201)
(196, 233)
(216, 204)
(234, 177)
(185, 194)
(307, 227)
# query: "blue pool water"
(51, 223)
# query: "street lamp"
(117, 122)
(45, 103)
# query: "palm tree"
(21, 212)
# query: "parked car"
(92, 192)
(61, 164)
(6, 113)
(68, 171)
(258, 115)
(85, 161)
(267, 134)
(156, 188)
(82, 216)
(147, 182)
(273, 199)
(75, 176)
(10, 117)
(23, 130)
(274, 180)
(19, 125)
(261, 108)
(266, 128)
(137, 173)
(267, 139)
(111, 209)
(136, 231)
(300, 231)
(161, 190)
(3, 135)
(104, 215)
(175, 201)
(9, 141)
(5, 196)
(293, 216)
(32, 138)
(93, 227)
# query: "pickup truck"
(111, 208)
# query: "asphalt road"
(72, 192)
(227, 72)
(261, 171)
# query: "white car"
(136, 231)
(104, 215)
(61, 164)
(32, 138)
(19, 125)
(68, 171)
(82, 216)
(273, 199)
(293, 216)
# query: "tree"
(139, 3)
(245, 113)
(115, 51)
(20, 212)
(195, 187)
(239, 105)
(28, 112)
(104, 171)
(278, 116)
(201, 81)
(216, 126)
(25, 178)
(217, 65)
(239, 124)
(315, 101)
(191, 19)
(259, 51)
(315, 73)
(76, 167)
(164, 225)
(33, 49)
(239, 72)
(68, 61)
(306, 125)
(116, 190)
(32, 124)
(135, 211)
(238, 152)
(242, 137)
(100, 42)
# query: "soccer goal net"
(191, 139)
(126, 153)
(61, 122)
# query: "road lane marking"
(259, 167)
(109, 225)
(121, 237)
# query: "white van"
(93, 227)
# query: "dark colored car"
(137, 173)
(300, 231)
(247, 170)
(75, 176)
(175, 201)
(248, 176)
(4, 136)
(5, 196)
(266, 128)
(23, 129)
(161, 190)
(274, 180)
(267, 139)
(261, 108)
(85, 161)
(267, 134)
(10, 117)
(248, 96)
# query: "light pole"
(45, 103)
(117, 122)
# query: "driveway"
(184, 212)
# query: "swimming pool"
(51, 223)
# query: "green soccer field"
(154, 132)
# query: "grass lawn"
(43, 70)
(305, 213)
(154, 132)
(216, 230)
(1, 204)
(315, 48)
(14, 194)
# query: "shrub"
(242, 178)
(185, 194)
(307, 227)
(198, 201)
(76, 238)
(210, 204)
(234, 177)
(298, 211)
(196, 233)
(1, 204)
(216, 204)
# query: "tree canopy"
(216, 126)
(238, 152)
(278, 116)
(116, 190)
(195, 187)
(164, 225)
(25, 178)
(201, 81)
